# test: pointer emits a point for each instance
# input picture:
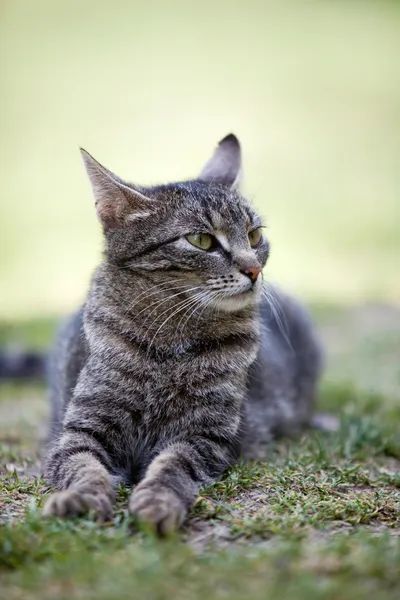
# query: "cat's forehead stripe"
(217, 221)
(223, 240)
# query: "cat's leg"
(173, 479)
(79, 468)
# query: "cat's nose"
(252, 273)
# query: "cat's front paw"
(75, 502)
(159, 507)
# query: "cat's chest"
(192, 369)
(170, 404)
(186, 382)
(185, 376)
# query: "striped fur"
(176, 364)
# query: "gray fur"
(179, 361)
(225, 164)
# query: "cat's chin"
(238, 301)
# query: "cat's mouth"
(238, 300)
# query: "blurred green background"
(312, 88)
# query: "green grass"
(319, 519)
(355, 566)
(94, 564)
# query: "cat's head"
(201, 234)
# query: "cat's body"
(176, 364)
(280, 386)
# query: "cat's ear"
(225, 165)
(116, 200)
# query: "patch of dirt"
(201, 534)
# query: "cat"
(182, 359)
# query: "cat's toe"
(69, 503)
(159, 507)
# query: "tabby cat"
(178, 363)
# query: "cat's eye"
(255, 237)
(204, 241)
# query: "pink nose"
(253, 272)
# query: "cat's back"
(282, 381)
(66, 361)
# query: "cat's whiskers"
(277, 312)
(163, 301)
(211, 295)
(183, 303)
(269, 294)
(153, 289)
(196, 299)
(158, 286)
